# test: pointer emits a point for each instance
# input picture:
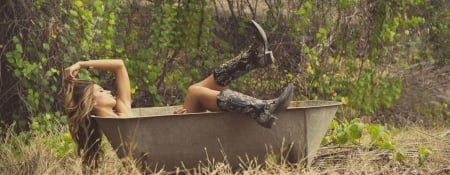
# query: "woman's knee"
(194, 90)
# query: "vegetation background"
(387, 61)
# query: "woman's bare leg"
(200, 98)
(210, 83)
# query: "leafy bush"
(342, 50)
(70, 31)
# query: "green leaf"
(73, 13)
(326, 140)
(355, 130)
(19, 48)
(18, 73)
(387, 145)
(342, 138)
(44, 82)
(152, 76)
(98, 7)
(195, 73)
(64, 40)
(15, 39)
(10, 57)
(46, 46)
(375, 131)
(400, 157)
(334, 124)
(153, 90)
(424, 153)
(53, 87)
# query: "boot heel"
(262, 34)
(266, 120)
(269, 57)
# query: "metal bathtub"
(160, 138)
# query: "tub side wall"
(171, 139)
(190, 139)
(317, 122)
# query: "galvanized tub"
(160, 138)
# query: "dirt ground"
(358, 159)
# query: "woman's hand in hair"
(70, 73)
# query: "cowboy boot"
(257, 56)
(261, 110)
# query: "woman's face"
(103, 97)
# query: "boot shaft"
(229, 100)
(260, 110)
(257, 56)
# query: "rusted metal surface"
(162, 139)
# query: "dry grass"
(366, 160)
(38, 157)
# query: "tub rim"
(308, 104)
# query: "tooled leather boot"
(261, 110)
(257, 56)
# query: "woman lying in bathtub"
(84, 98)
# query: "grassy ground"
(45, 154)
(365, 160)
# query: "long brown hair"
(79, 105)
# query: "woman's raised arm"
(115, 66)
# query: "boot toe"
(282, 102)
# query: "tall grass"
(47, 153)
(53, 153)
